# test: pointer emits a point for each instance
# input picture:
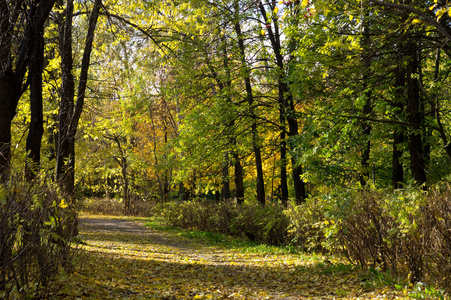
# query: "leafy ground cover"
(121, 258)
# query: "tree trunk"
(126, 192)
(14, 59)
(283, 167)
(225, 191)
(414, 116)
(36, 130)
(286, 109)
(366, 147)
(70, 112)
(64, 161)
(298, 183)
(398, 169)
(367, 108)
(239, 179)
(10, 94)
(398, 134)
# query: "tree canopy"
(268, 101)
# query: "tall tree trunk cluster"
(70, 111)
(22, 27)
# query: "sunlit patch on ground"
(124, 260)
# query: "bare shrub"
(36, 227)
(199, 215)
(382, 231)
(103, 206)
(115, 206)
(436, 228)
(266, 224)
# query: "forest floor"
(122, 259)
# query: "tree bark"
(239, 178)
(398, 133)
(15, 55)
(366, 147)
(417, 166)
(286, 110)
(36, 128)
(398, 169)
(70, 112)
(225, 191)
(8, 101)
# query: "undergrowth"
(37, 225)
(405, 235)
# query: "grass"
(220, 239)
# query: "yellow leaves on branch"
(441, 11)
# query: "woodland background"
(333, 114)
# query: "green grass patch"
(220, 240)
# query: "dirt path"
(125, 260)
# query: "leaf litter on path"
(121, 259)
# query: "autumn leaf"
(121, 259)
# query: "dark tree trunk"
(274, 38)
(367, 108)
(398, 169)
(398, 134)
(126, 190)
(15, 55)
(366, 149)
(10, 94)
(225, 191)
(70, 112)
(166, 172)
(414, 116)
(65, 144)
(239, 178)
(286, 109)
(36, 130)
(298, 183)
(283, 168)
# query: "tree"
(70, 111)
(21, 27)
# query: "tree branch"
(424, 16)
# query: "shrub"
(199, 215)
(261, 224)
(403, 234)
(381, 231)
(115, 206)
(36, 228)
(307, 225)
(265, 224)
(436, 232)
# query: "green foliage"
(258, 223)
(394, 237)
(201, 215)
(422, 291)
(307, 225)
(399, 235)
(266, 224)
